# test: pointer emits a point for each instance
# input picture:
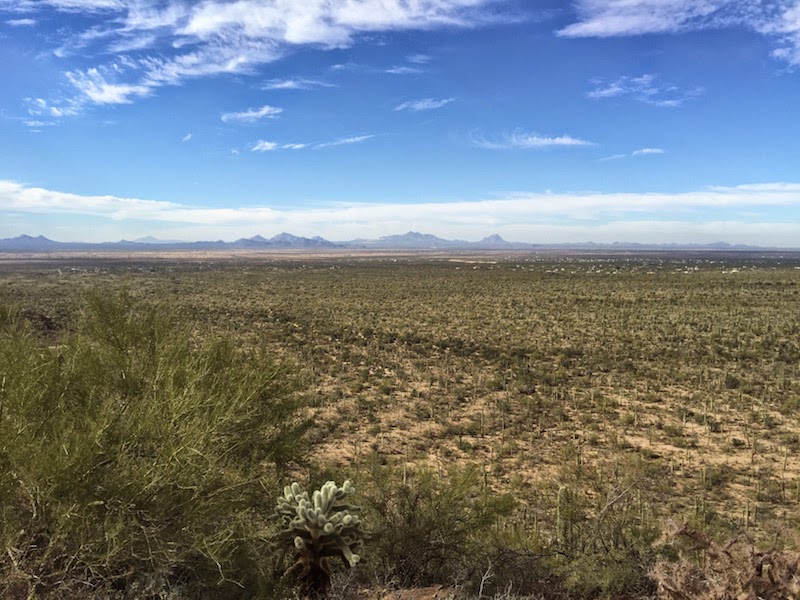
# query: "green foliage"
(429, 530)
(315, 530)
(134, 458)
(605, 552)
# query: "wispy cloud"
(648, 151)
(186, 138)
(345, 141)
(607, 18)
(295, 83)
(264, 146)
(37, 124)
(643, 88)
(403, 70)
(95, 88)
(65, 5)
(43, 113)
(414, 68)
(21, 22)
(640, 152)
(524, 216)
(167, 42)
(253, 114)
(424, 104)
(521, 140)
(418, 59)
(778, 19)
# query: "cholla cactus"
(317, 529)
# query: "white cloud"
(131, 43)
(392, 70)
(777, 19)
(419, 59)
(21, 22)
(644, 88)
(37, 124)
(295, 83)
(174, 40)
(646, 151)
(345, 141)
(94, 87)
(640, 152)
(65, 5)
(264, 146)
(607, 18)
(186, 138)
(520, 140)
(403, 70)
(424, 104)
(223, 58)
(525, 216)
(40, 108)
(253, 114)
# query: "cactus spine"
(317, 528)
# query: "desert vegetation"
(544, 426)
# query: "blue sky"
(544, 121)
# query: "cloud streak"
(295, 83)
(357, 139)
(252, 115)
(424, 104)
(96, 89)
(264, 146)
(777, 19)
(640, 152)
(267, 146)
(520, 140)
(21, 22)
(648, 151)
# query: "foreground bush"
(134, 464)
(707, 570)
(427, 531)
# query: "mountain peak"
(284, 237)
(494, 239)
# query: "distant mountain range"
(286, 241)
(26, 243)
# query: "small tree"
(316, 529)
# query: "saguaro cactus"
(564, 516)
(316, 529)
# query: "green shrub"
(427, 530)
(136, 460)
